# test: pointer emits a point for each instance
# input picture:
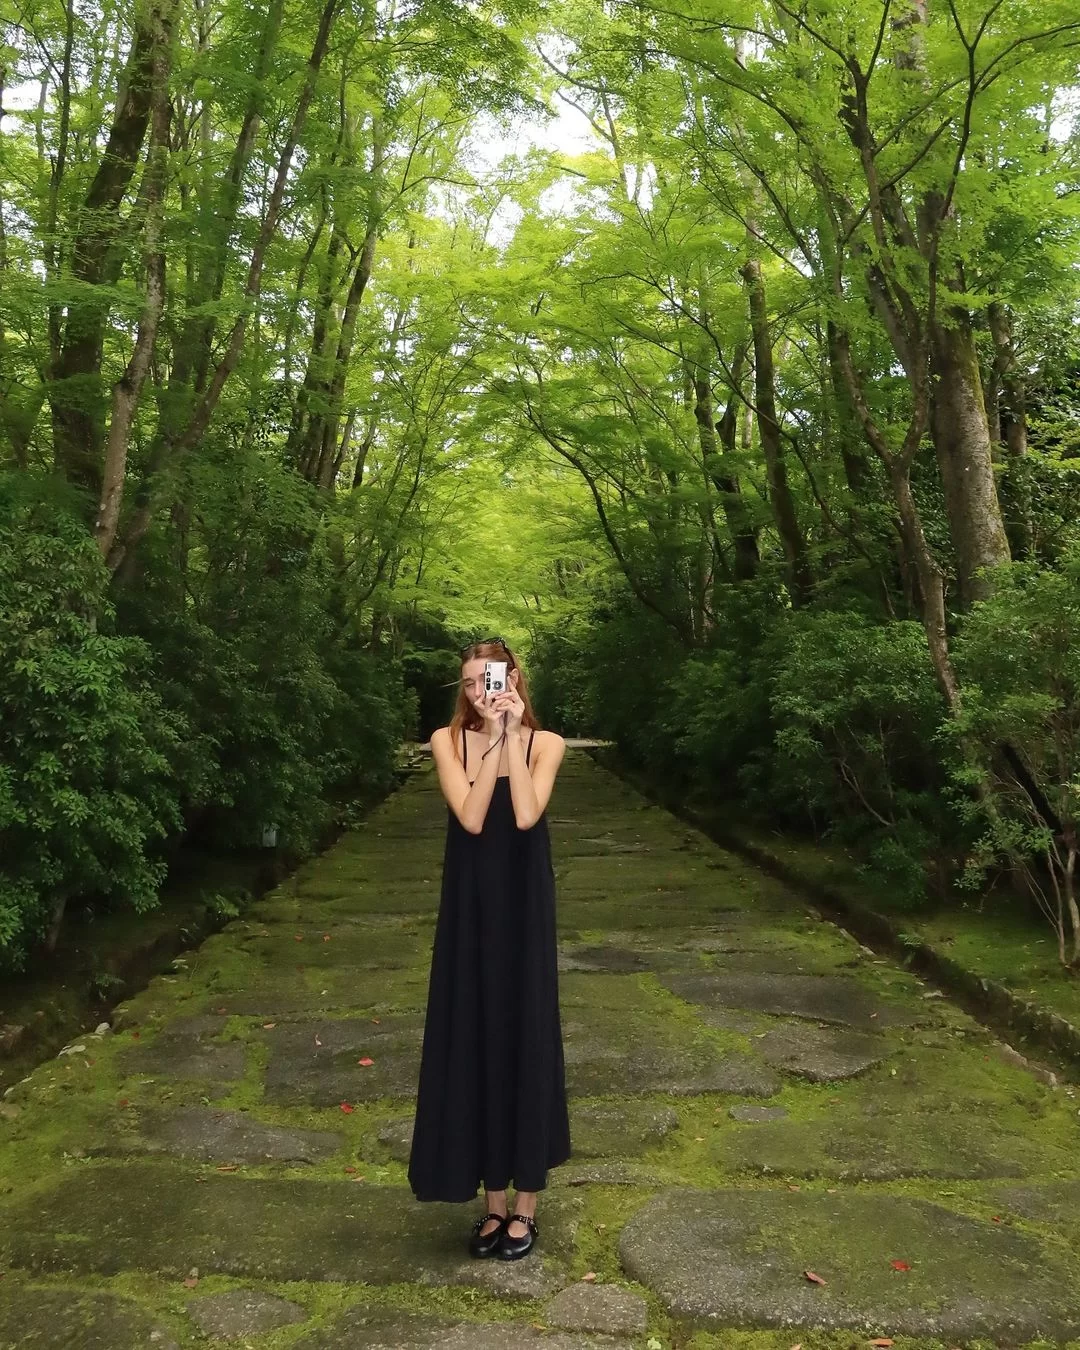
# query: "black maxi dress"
(491, 1099)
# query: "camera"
(495, 677)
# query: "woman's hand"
(512, 705)
(492, 715)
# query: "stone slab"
(236, 1313)
(619, 1129)
(145, 1216)
(603, 1173)
(609, 1054)
(597, 1130)
(50, 1318)
(821, 1054)
(370, 1327)
(221, 1136)
(944, 1147)
(819, 998)
(736, 1258)
(186, 1048)
(317, 1062)
(748, 1113)
(598, 1307)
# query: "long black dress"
(491, 1099)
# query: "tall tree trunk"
(780, 498)
(717, 441)
(76, 396)
(1013, 433)
(962, 440)
(126, 391)
(178, 445)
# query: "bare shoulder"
(550, 744)
(440, 740)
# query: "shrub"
(85, 777)
(1018, 734)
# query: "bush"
(856, 712)
(1018, 735)
(85, 776)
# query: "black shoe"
(486, 1245)
(513, 1248)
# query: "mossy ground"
(349, 938)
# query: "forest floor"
(780, 1138)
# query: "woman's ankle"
(525, 1203)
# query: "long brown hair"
(465, 715)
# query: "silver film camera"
(495, 677)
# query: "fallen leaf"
(220, 1010)
(376, 1020)
(135, 1035)
(814, 1279)
(996, 1218)
(122, 1102)
(298, 937)
(317, 1041)
(350, 1169)
(899, 1265)
(269, 1026)
(359, 1178)
(326, 937)
(699, 1138)
(347, 1108)
(189, 1283)
(589, 1277)
(797, 1346)
(881, 1340)
(367, 1063)
(227, 1167)
(794, 1188)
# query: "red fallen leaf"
(298, 937)
(221, 1010)
(122, 1102)
(135, 1035)
(189, 1283)
(367, 1063)
(347, 1108)
(881, 1340)
(996, 1218)
(814, 1279)
(899, 1265)
(350, 1169)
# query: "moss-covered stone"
(735, 1257)
(162, 1218)
(37, 1317)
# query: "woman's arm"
(530, 790)
(468, 801)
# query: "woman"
(491, 1100)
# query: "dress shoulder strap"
(528, 751)
(465, 749)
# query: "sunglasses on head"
(486, 642)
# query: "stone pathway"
(779, 1138)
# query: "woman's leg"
(524, 1203)
(496, 1204)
